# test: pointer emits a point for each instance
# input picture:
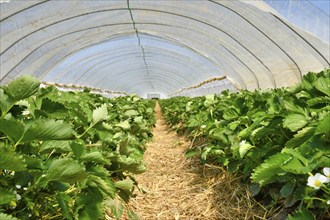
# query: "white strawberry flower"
(18, 196)
(203, 126)
(25, 112)
(242, 142)
(328, 202)
(316, 181)
(326, 171)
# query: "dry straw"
(179, 188)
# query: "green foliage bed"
(63, 154)
(277, 140)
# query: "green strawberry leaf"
(95, 156)
(89, 205)
(48, 129)
(11, 161)
(106, 186)
(5, 102)
(58, 145)
(6, 196)
(100, 114)
(268, 171)
(125, 184)
(323, 126)
(117, 208)
(124, 124)
(66, 170)
(131, 113)
(244, 148)
(287, 189)
(22, 87)
(295, 121)
(300, 137)
(300, 214)
(77, 148)
(12, 128)
(323, 85)
(4, 216)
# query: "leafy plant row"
(277, 140)
(63, 155)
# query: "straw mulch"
(178, 188)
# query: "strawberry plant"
(64, 154)
(275, 139)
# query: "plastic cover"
(163, 47)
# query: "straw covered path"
(177, 188)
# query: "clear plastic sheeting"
(305, 15)
(119, 63)
(142, 47)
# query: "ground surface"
(177, 188)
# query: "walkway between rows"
(177, 188)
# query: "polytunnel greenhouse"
(167, 109)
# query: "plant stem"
(93, 145)
(284, 133)
(6, 111)
(80, 136)
(325, 189)
(316, 198)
